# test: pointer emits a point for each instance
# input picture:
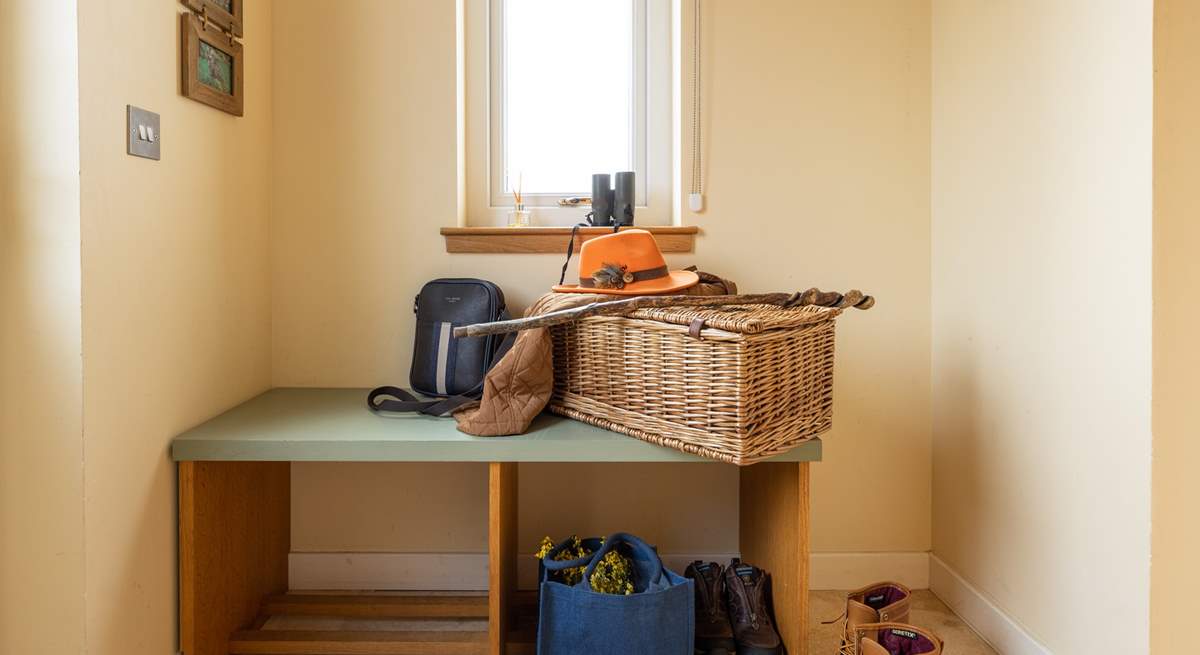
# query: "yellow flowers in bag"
(613, 574)
(574, 550)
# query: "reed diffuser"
(519, 216)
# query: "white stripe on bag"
(443, 356)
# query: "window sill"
(553, 239)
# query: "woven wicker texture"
(758, 381)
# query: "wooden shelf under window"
(553, 239)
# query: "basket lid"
(742, 319)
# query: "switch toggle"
(143, 133)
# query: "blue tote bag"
(657, 619)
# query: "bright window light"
(568, 93)
(558, 90)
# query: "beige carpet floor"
(927, 612)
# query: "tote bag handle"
(646, 563)
(550, 564)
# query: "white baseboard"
(855, 570)
(468, 571)
(1000, 630)
(390, 571)
(420, 571)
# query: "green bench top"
(334, 425)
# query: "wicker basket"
(757, 381)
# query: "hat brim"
(675, 281)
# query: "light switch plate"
(142, 134)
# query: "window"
(559, 90)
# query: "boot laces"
(847, 647)
(760, 594)
(760, 601)
(742, 610)
(711, 594)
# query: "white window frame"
(487, 202)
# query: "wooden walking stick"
(853, 298)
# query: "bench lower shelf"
(381, 624)
(234, 541)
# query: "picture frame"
(225, 14)
(212, 65)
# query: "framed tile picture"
(225, 14)
(212, 65)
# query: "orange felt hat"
(627, 263)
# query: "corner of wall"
(42, 532)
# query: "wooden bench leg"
(502, 553)
(774, 536)
(234, 538)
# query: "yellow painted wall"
(1042, 114)
(282, 248)
(41, 433)
(176, 297)
(1175, 574)
(818, 174)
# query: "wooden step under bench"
(381, 624)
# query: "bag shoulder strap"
(394, 400)
(571, 243)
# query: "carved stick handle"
(815, 296)
(852, 298)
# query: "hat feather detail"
(612, 276)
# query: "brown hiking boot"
(882, 602)
(754, 631)
(895, 639)
(714, 635)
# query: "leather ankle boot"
(754, 631)
(895, 639)
(882, 602)
(714, 634)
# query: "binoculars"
(612, 204)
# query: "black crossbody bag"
(448, 368)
